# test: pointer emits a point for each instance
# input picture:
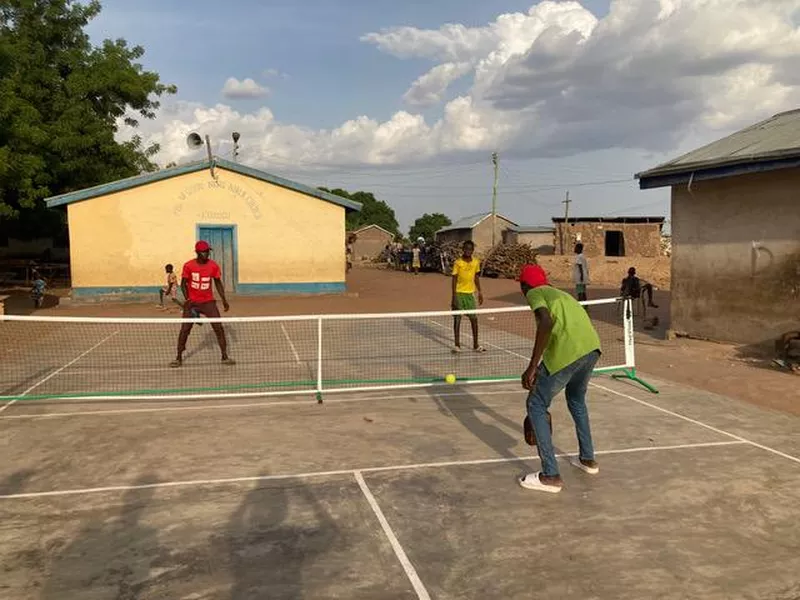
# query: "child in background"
(38, 289)
(171, 289)
(415, 262)
(466, 281)
(580, 273)
(635, 288)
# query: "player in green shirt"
(566, 350)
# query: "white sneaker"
(591, 469)
(531, 481)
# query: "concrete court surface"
(404, 495)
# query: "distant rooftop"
(771, 144)
(611, 219)
(532, 228)
(471, 222)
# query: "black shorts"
(207, 309)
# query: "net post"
(319, 360)
(629, 372)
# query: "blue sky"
(323, 75)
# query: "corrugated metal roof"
(144, 179)
(372, 226)
(472, 221)
(776, 137)
(532, 229)
(574, 220)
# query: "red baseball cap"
(533, 275)
(202, 246)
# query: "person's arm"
(579, 262)
(478, 285)
(454, 284)
(221, 291)
(544, 327)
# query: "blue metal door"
(223, 251)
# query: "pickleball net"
(115, 358)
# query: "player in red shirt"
(196, 281)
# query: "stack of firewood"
(506, 260)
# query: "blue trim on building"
(654, 179)
(259, 289)
(140, 180)
(144, 290)
(235, 229)
(243, 289)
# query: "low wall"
(611, 271)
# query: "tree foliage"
(427, 225)
(61, 100)
(373, 211)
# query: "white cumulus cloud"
(246, 88)
(553, 81)
(430, 88)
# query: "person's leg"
(161, 297)
(475, 345)
(547, 387)
(210, 310)
(648, 291)
(186, 329)
(576, 402)
(457, 331)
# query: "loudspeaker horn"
(193, 140)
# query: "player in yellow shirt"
(466, 281)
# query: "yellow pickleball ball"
(450, 378)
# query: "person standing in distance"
(196, 279)
(565, 353)
(581, 273)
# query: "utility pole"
(494, 200)
(564, 227)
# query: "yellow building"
(269, 235)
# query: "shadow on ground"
(19, 302)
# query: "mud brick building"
(736, 233)
(610, 236)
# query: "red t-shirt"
(199, 279)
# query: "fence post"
(319, 360)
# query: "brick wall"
(640, 239)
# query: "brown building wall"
(640, 239)
(543, 242)
(454, 235)
(736, 257)
(482, 233)
(370, 243)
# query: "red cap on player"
(533, 275)
(202, 246)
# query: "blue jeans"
(575, 378)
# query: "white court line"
(291, 344)
(351, 471)
(700, 423)
(411, 572)
(265, 404)
(674, 414)
(57, 371)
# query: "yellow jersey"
(465, 272)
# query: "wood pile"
(506, 260)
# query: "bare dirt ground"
(719, 368)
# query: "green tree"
(427, 225)
(61, 101)
(373, 211)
